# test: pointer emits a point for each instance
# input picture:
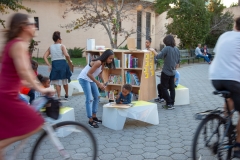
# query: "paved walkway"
(170, 140)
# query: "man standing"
(171, 56)
(200, 55)
(225, 71)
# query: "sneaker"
(93, 124)
(157, 100)
(173, 106)
(161, 100)
(66, 97)
(95, 119)
(169, 107)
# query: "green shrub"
(123, 47)
(76, 52)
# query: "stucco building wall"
(50, 14)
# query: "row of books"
(132, 78)
(111, 95)
(130, 61)
(114, 79)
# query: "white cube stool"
(77, 88)
(115, 118)
(62, 93)
(66, 114)
(70, 90)
(181, 95)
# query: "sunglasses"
(31, 23)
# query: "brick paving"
(170, 140)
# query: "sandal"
(93, 124)
(95, 119)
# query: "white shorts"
(59, 82)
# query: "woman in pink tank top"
(17, 120)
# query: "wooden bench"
(185, 55)
(193, 55)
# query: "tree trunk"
(238, 2)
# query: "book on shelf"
(135, 62)
(117, 63)
(114, 79)
(112, 94)
(125, 61)
(130, 61)
(131, 78)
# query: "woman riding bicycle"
(225, 71)
(17, 120)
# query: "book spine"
(125, 60)
(129, 60)
(136, 63)
(119, 63)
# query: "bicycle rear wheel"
(78, 141)
(207, 140)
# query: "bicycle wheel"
(207, 142)
(78, 141)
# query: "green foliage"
(32, 45)
(76, 52)
(219, 22)
(190, 22)
(14, 5)
(123, 47)
(234, 4)
(195, 22)
(77, 62)
(163, 5)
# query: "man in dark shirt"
(171, 56)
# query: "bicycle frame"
(228, 124)
(48, 127)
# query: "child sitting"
(125, 96)
(45, 81)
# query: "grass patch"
(77, 62)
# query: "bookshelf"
(132, 64)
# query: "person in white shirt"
(200, 55)
(224, 72)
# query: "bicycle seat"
(225, 94)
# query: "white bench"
(181, 95)
(66, 114)
(115, 118)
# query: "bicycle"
(216, 135)
(53, 140)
